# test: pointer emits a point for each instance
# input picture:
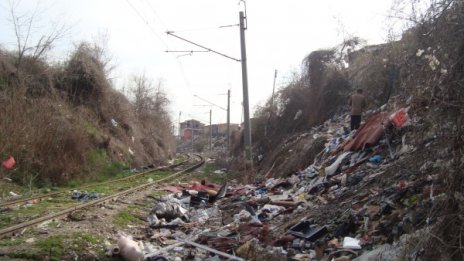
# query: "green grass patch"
(179, 159)
(209, 175)
(92, 130)
(59, 203)
(7, 186)
(39, 209)
(53, 224)
(82, 241)
(23, 256)
(44, 206)
(98, 156)
(11, 242)
(112, 171)
(53, 246)
(79, 242)
(123, 218)
(104, 167)
(209, 168)
(74, 183)
(5, 220)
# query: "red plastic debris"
(9, 163)
(402, 185)
(400, 118)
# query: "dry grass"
(56, 121)
(308, 100)
(45, 140)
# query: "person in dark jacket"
(358, 103)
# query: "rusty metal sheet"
(369, 133)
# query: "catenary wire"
(147, 24)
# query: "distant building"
(220, 129)
(189, 127)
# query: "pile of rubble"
(351, 203)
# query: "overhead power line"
(222, 108)
(191, 51)
(156, 14)
(201, 46)
(230, 25)
(206, 28)
(147, 23)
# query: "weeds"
(11, 242)
(209, 175)
(54, 246)
(124, 218)
(58, 123)
(57, 246)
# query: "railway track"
(53, 194)
(10, 229)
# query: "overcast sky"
(280, 34)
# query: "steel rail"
(95, 202)
(24, 200)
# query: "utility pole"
(271, 113)
(228, 120)
(222, 108)
(192, 137)
(180, 130)
(210, 131)
(246, 110)
(273, 89)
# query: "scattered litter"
(83, 196)
(377, 159)
(14, 195)
(311, 214)
(9, 163)
(114, 122)
(231, 257)
(400, 119)
(351, 243)
(168, 210)
(308, 230)
(129, 249)
(30, 240)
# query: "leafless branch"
(23, 25)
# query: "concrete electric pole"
(228, 120)
(210, 131)
(246, 109)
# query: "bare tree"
(99, 46)
(149, 99)
(349, 43)
(405, 14)
(25, 26)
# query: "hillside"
(315, 189)
(305, 130)
(64, 122)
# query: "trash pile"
(354, 198)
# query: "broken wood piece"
(323, 200)
(164, 249)
(287, 204)
(231, 257)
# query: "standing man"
(358, 103)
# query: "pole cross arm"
(171, 33)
